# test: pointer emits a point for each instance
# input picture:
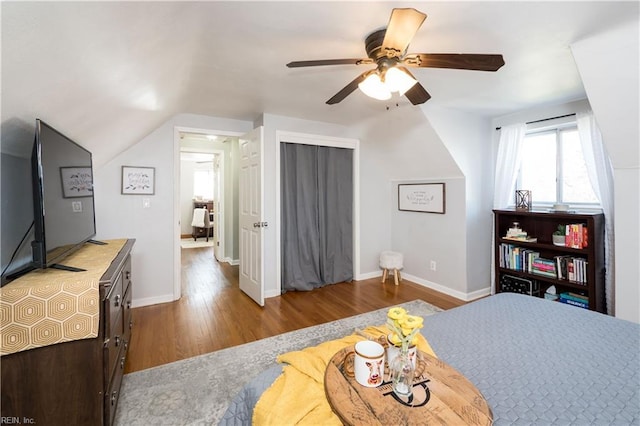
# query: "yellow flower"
(397, 313)
(410, 322)
(395, 340)
(406, 331)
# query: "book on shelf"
(575, 296)
(522, 239)
(574, 299)
(571, 268)
(546, 267)
(576, 236)
(574, 303)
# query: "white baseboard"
(232, 262)
(467, 297)
(368, 275)
(137, 303)
(478, 294)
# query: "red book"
(585, 237)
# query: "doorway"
(211, 152)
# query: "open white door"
(251, 221)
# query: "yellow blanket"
(297, 395)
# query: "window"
(203, 183)
(553, 168)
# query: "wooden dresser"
(76, 382)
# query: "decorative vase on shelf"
(402, 371)
(558, 240)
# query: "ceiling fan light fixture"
(399, 81)
(373, 87)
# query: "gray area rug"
(197, 391)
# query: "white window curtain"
(507, 164)
(600, 174)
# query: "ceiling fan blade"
(298, 64)
(417, 94)
(348, 89)
(476, 62)
(402, 27)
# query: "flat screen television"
(63, 201)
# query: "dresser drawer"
(127, 316)
(113, 346)
(113, 393)
(113, 308)
(126, 274)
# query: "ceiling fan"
(387, 49)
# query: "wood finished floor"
(214, 314)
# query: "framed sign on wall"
(138, 180)
(421, 197)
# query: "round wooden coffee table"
(441, 395)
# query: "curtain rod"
(545, 119)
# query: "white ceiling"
(108, 73)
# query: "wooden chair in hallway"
(201, 224)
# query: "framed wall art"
(138, 180)
(421, 197)
(76, 182)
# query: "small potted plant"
(559, 236)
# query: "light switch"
(146, 203)
(76, 206)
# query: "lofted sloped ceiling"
(108, 73)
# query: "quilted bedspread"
(535, 361)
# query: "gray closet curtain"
(316, 212)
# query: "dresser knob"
(117, 339)
(122, 363)
(116, 302)
(129, 304)
(127, 275)
(114, 397)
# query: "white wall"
(402, 146)
(468, 138)
(16, 210)
(154, 229)
(609, 66)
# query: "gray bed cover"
(535, 361)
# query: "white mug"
(393, 351)
(368, 363)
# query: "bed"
(535, 361)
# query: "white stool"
(391, 260)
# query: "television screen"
(62, 196)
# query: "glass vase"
(402, 372)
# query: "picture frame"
(138, 180)
(422, 197)
(77, 182)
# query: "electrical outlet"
(433, 265)
(76, 206)
(146, 203)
